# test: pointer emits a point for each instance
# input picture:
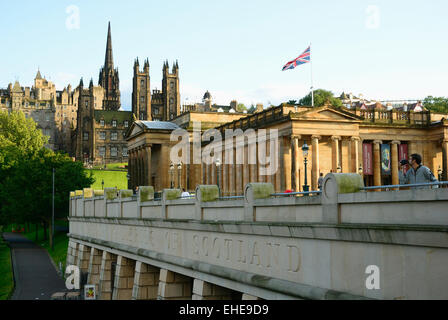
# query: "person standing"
(418, 173)
(320, 181)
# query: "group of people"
(416, 173)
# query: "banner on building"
(403, 154)
(367, 157)
(385, 160)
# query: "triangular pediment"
(328, 114)
(135, 129)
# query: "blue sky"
(235, 49)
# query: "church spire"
(109, 61)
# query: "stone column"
(83, 258)
(207, 291)
(148, 170)
(94, 268)
(345, 155)
(253, 175)
(377, 162)
(174, 286)
(355, 154)
(130, 171)
(246, 167)
(445, 159)
(146, 282)
(106, 276)
(315, 161)
(279, 173)
(287, 165)
(72, 253)
(394, 160)
(232, 167)
(335, 155)
(124, 279)
(295, 163)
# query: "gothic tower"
(109, 79)
(85, 118)
(170, 89)
(141, 92)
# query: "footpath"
(34, 273)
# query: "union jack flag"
(305, 57)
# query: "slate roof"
(160, 125)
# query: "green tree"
(241, 107)
(27, 191)
(26, 174)
(321, 97)
(436, 104)
(19, 138)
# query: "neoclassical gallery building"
(366, 141)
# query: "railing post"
(168, 194)
(253, 191)
(124, 194)
(109, 194)
(205, 193)
(333, 185)
(145, 194)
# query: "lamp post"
(171, 176)
(218, 173)
(305, 149)
(102, 183)
(440, 173)
(179, 171)
(52, 217)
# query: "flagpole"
(312, 88)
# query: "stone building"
(52, 110)
(161, 105)
(370, 142)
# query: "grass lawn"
(113, 166)
(111, 179)
(6, 277)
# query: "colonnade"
(119, 277)
(326, 154)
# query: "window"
(124, 152)
(87, 104)
(113, 151)
(113, 136)
(171, 101)
(114, 123)
(102, 123)
(102, 151)
(142, 83)
(126, 124)
(102, 135)
(142, 99)
(86, 136)
(172, 84)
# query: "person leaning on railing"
(417, 172)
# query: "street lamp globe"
(305, 149)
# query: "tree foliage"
(19, 138)
(436, 104)
(26, 174)
(321, 97)
(241, 107)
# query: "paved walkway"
(35, 275)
